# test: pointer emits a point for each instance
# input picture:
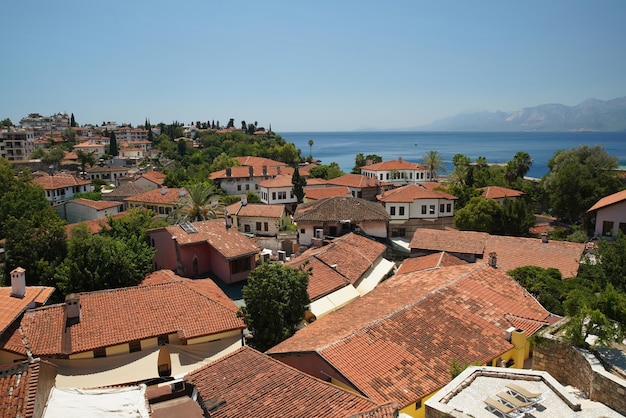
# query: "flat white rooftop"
(465, 395)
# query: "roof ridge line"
(400, 309)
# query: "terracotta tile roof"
(228, 242)
(11, 307)
(453, 241)
(162, 195)
(122, 315)
(206, 287)
(259, 162)
(278, 181)
(257, 210)
(497, 192)
(412, 192)
(107, 169)
(257, 171)
(340, 208)
(94, 225)
(323, 280)
(18, 388)
(59, 181)
(354, 180)
(154, 176)
(314, 193)
(513, 252)
(96, 204)
(126, 190)
(397, 342)
(353, 255)
(609, 200)
(393, 165)
(247, 380)
(431, 261)
(315, 181)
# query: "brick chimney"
(228, 172)
(18, 283)
(544, 237)
(493, 260)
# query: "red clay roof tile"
(609, 200)
(247, 380)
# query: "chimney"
(164, 190)
(244, 200)
(400, 158)
(264, 171)
(228, 172)
(18, 283)
(493, 260)
(251, 171)
(278, 170)
(72, 309)
(544, 237)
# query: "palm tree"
(522, 163)
(311, 148)
(198, 203)
(434, 163)
(458, 176)
(85, 158)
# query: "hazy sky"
(306, 66)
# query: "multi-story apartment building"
(17, 144)
(57, 122)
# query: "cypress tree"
(113, 145)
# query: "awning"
(334, 301)
(79, 403)
(139, 366)
(381, 269)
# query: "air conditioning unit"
(319, 233)
(508, 332)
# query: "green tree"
(299, 183)
(577, 179)
(517, 218)
(223, 161)
(73, 121)
(35, 242)
(311, 148)
(69, 135)
(54, 156)
(135, 223)
(479, 214)
(113, 150)
(275, 302)
(199, 203)
(6, 123)
(85, 159)
(326, 172)
(522, 162)
(96, 262)
(95, 196)
(433, 161)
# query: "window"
(99, 352)
(302, 230)
(265, 226)
(246, 228)
(622, 227)
(449, 207)
(247, 187)
(332, 231)
(387, 176)
(239, 187)
(163, 339)
(441, 207)
(431, 209)
(134, 346)
(273, 195)
(398, 232)
(607, 228)
(401, 210)
(392, 210)
(242, 264)
(258, 226)
(423, 209)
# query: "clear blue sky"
(306, 66)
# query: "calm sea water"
(497, 147)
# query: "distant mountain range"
(590, 115)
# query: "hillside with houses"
(128, 256)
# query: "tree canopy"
(275, 302)
(577, 179)
(299, 183)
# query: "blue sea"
(496, 147)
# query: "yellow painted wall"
(214, 337)
(343, 385)
(83, 355)
(6, 357)
(419, 412)
(149, 343)
(117, 349)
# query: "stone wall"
(581, 369)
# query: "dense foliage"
(276, 298)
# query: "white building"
(397, 172)
(17, 144)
